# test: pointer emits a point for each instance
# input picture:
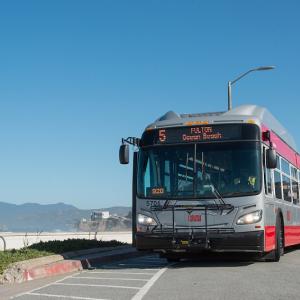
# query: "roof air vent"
(170, 115)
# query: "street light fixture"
(230, 83)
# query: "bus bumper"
(252, 241)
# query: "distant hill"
(32, 217)
(119, 210)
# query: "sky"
(77, 76)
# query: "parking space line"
(135, 266)
(43, 286)
(115, 272)
(110, 278)
(117, 269)
(144, 290)
(98, 285)
(65, 297)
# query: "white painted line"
(142, 265)
(115, 272)
(144, 290)
(43, 286)
(110, 278)
(61, 296)
(99, 285)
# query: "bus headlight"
(145, 220)
(251, 218)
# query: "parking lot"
(152, 277)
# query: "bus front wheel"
(279, 242)
(279, 250)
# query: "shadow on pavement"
(209, 259)
(154, 261)
(291, 249)
(216, 260)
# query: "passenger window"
(295, 189)
(285, 167)
(268, 181)
(286, 186)
(277, 181)
(294, 173)
(278, 162)
(267, 178)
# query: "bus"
(221, 181)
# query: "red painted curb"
(67, 266)
(60, 267)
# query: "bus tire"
(274, 256)
(279, 250)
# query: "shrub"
(59, 247)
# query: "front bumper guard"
(193, 239)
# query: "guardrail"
(4, 242)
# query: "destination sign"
(200, 133)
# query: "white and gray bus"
(224, 181)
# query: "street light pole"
(229, 96)
(230, 83)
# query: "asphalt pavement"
(151, 277)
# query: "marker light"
(251, 218)
(145, 220)
(191, 123)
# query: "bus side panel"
(292, 226)
(269, 238)
(291, 235)
(269, 221)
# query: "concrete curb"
(61, 264)
(60, 267)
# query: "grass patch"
(49, 248)
(11, 256)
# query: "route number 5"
(162, 135)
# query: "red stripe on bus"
(291, 235)
(283, 149)
(269, 238)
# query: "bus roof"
(240, 114)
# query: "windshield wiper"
(218, 195)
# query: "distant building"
(99, 215)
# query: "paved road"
(151, 277)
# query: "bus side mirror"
(271, 159)
(124, 154)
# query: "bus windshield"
(195, 170)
